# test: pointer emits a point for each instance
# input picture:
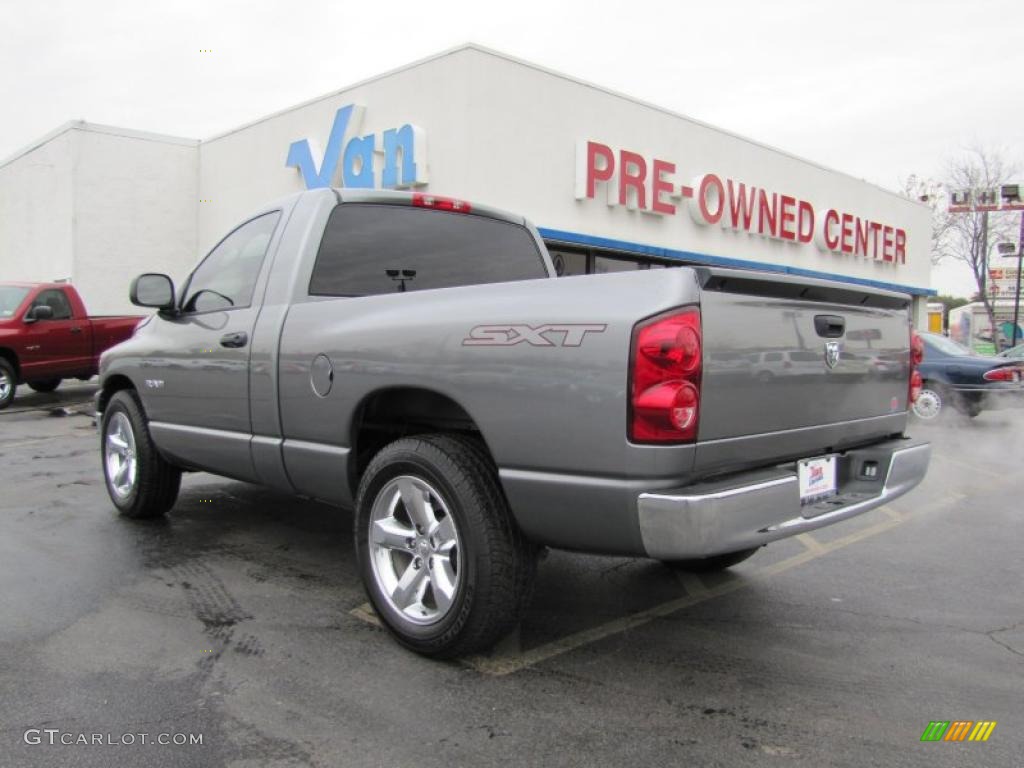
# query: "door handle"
(829, 326)
(234, 340)
(76, 329)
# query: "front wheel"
(46, 385)
(8, 383)
(443, 562)
(139, 481)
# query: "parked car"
(415, 357)
(1013, 353)
(46, 336)
(954, 376)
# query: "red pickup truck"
(46, 335)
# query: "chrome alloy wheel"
(414, 550)
(119, 455)
(5, 385)
(927, 405)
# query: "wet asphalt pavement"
(241, 618)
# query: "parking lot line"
(691, 583)
(366, 613)
(809, 542)
(500, 664)
(970, 466)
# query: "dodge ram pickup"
(415, 358)
(46, 335)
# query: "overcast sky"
(878, 90)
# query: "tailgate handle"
(829, 326)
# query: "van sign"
(353, 163)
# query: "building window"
(569, 263)
(603, 264)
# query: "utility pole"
(984, 255)
(1016, 298)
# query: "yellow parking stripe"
(809, 541)
(500, 664)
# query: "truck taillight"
(916, 349)
(916, 356)
(664, 405)
(916, 383)
(440, 203)
(1002, 374)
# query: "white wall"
(135, 211)
(98, 205)
(36, 212)
(504, 133)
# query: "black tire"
(45, 385)
(709, 564)
(156, 484)
(8, 383)
(496, 564)
(968, 407)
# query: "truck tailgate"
(773, 388)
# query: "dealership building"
(612, 182)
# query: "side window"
(227, 277)
(370, 249)
(57, 301)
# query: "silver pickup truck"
(415, 358)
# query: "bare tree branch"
(972, 237)
(933, 193)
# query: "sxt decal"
(571, 335)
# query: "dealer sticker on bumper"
(817, 478)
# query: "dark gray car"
(414, 357)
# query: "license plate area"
(817, 478)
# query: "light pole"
(1016, 298)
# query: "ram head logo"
(831, 353)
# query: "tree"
(972, 237)
(933, 193)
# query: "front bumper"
(754, 508)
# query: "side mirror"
(152, 290)
(39, 312)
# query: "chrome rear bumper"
(754, 508)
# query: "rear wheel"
(970, 408)
(8, 383)
(443, 562)
(140, 482)
(709, 564)
(45, 385)
(929, 403)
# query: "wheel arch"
(390, 413)
(111, 386)
(11, 356)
